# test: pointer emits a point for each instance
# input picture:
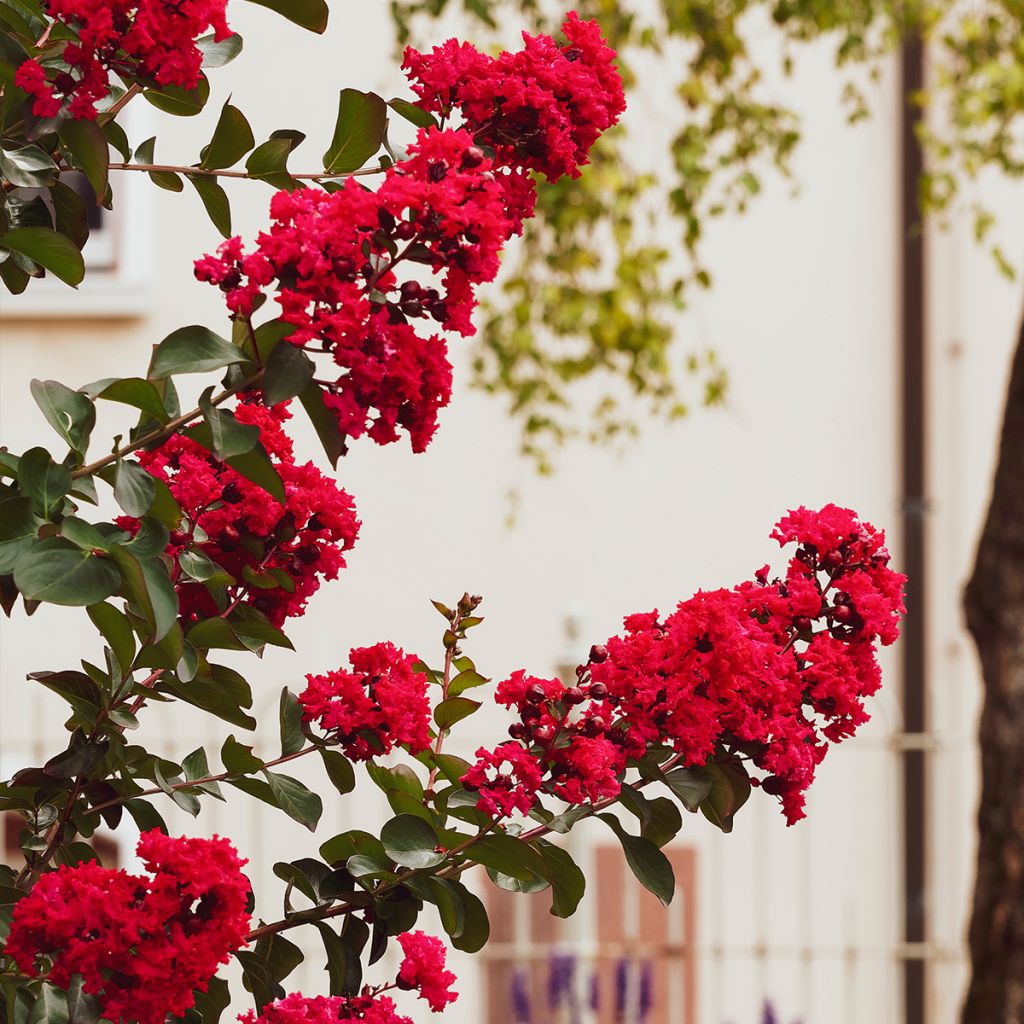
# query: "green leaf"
(309, 14)
(324, 423)
(239, 758)
(148, 588)
(18, 526)
(134, 488)
(232, 139)
(70, 413)
(257, 467)
(27, 167)
(193, 349)
(476, 929)
(215, 200)
(465, 681)
(116, 630)
(339, 771)
(690, 785)
(134, 391)
(410, 841)
(295, 799)
(89, 151)
(43, 480)
(650, 866)
(269, 161)
(568, 882)
(50, 1007)
(227, 435)
(217, 54)
(417, 115)
(453, 710)
(50, 249)
(509, 856)
(57, 571)
(289, 372)
(173, 99)
(69, 213)
(730, 789)
(82, 1007)
(358, 131)
(290, 715)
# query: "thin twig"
(210, 172)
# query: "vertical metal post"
(914, 411)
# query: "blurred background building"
(805, 315)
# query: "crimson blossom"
(342, 265)
(141, 945)
(148, 39)
(768, 672)
(381, 703)
(277, 555)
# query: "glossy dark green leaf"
(76, 760)
(70, 413)
(339, 771)
(358, 131)
(476, 929)
(730, 789)
(309, 14)
(215, 200)
(82, 1007)
(217, 54)
(27, 167)
(269, 161)
(134, 391)
(70, 215)
(194, 349)
(650, 866)
(453, 710)
(689, 785)
(257, 467)
(50, 249)
(295, 799)
(324, 423)
(89, 151)
(417, 115)
(43, 480)
(239, 758)
(232, 139)
(116, 630)
(134, 488)
(18, 526)
(568, 883)
(289, 371)
(509, 856)
(173, 99)
(410, 841)
(50, 1007)
(290, 718)
(59, 572)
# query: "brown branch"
(171, 427)
(209, 172)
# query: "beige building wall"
(804, 315)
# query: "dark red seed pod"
(574, 695)
(517, 731)
(598, 654)
(598, 691)
(543, 734)
(529, 713)
(535, 693)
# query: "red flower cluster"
(276, 554)
(423, 969)
(300, 1009)
(539, 109)
(767, 671)
(140, 944)
(149, 39)
(333, 259)
(380, 703)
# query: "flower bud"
(598, 654)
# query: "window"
(624, 959)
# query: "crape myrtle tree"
(730, 129)
(338, 311)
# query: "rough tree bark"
(994, 603)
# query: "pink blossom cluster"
(290, 548)
(770, 671)
(147, 39)
(343, 265)
(141, 944)
(381, 703)
(422, 969)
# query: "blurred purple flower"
(646, 995)
(521, 998)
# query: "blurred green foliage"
(587, 315)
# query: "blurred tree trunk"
(994, 603)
